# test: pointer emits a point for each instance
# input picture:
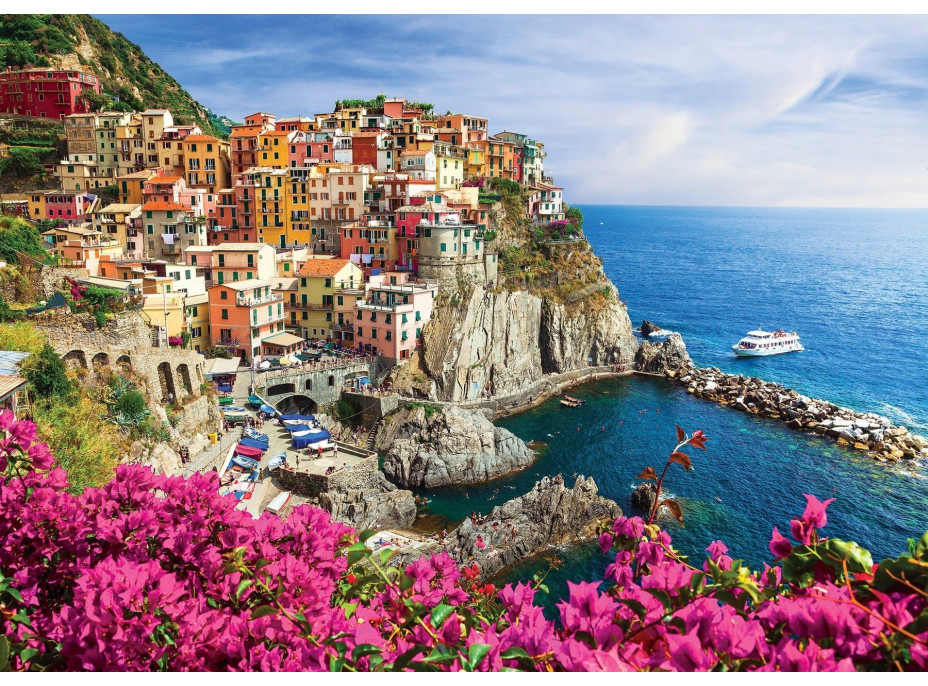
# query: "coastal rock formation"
(486, 341)
(371, 508)
(643, 496)
(428, 447)
(548, 516)
(669, 357)
(866, 432)
(647, 328)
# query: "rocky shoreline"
(866, 432)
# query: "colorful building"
(389, 321)
(65, 206)
(319, 279)
(242, 314)
(230, 262)
(207, 162)
(46, 92)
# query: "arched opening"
(184, 373)
(75, 358)
(331, 379)
(100, 360)
(281, 388)
(166, 378)
(124, 361)
(309, 384)
(301, 404)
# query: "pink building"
(66, 207)
(309, 148)
(389, 322)
(408, 219)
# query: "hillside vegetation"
(130, 80)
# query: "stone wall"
(373, 408)
(320, 383)
(53, 279)
(359, 476)
(124, 340)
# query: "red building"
(49, 93)
(365, 146)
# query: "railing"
(260, 300)
(317, 366)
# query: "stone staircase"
(372, 436)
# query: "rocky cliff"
(502, 342)
(382, 507)
(426, 448)
(669, 356)
(548, 516)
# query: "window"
(223, 295)
(404, 336)
(360, 331)
(340, 300)
(225, 314)
(405, 318)
(418, 316)
(389, 335)
(443, 247)
(373, 333)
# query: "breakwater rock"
(647, 328)
(866, 432)
(660, 358)
(548, 516)
(429, 446)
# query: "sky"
(828, 111)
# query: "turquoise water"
(851, 282)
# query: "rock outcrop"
(669, 356)
(504, 342)
(648, 328)
(866, 432)
(429, 447)
(643, 496)
(548, 516)
(385, 507)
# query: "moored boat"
(569, 403)
(574, 400)
(760, 343)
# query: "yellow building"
(165, 310)
(207, 162)
(272, 148)
(131, 186)
(196, 308)
(130, 145)
(298, 229)
(449, 169)
(475, 162)
(319, 281)
(271, 201)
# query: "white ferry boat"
(759, 343)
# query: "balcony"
(251, 300)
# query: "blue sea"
(852, 283)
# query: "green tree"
(18, 53)
(19, 239)
(130, 403)
(23, 162)
(47, 374)
(7, 313)
(575, 213)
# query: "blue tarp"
(225, 388)
(298, 427)
(310, 438)
(252, 443)
(244, 462)
(267, 409)
(305, 417)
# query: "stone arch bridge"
(306, 388)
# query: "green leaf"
(366, 534)
(242, 587)
(385, 555)
(350, 609)
(355, 556)
(4, 653)
(15, 594)
(520, 655)
(921, 548)
(635, 606)
(337, 664)
(662, 596)
(400, 663)
(364, 649)
(440, 614)
(263, 611)
(475, 654)
(28, 654)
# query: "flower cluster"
(161, 573)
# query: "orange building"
(242, 314)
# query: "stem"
(660, 482)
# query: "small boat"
(761, 343)
(255, 400)
(233, 409)
(574, 400)
(256, 435)
(226, 400)
(569, 403)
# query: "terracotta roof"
(152, 205)
(144, 174)
(323, 267)
(165, 179)
(247, 284)
(409, 153)
(420, 181)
